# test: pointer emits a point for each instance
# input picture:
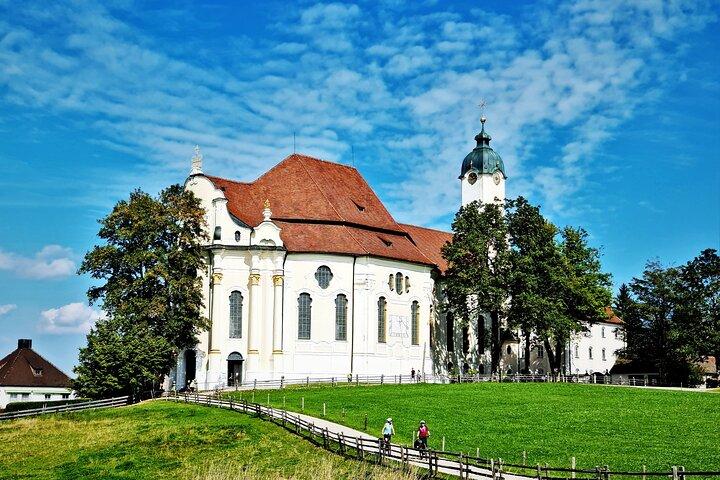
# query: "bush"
(19, 406)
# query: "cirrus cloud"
(7, 308)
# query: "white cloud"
(7, 308)
(70, 318)
(340, 76)
(52, 261)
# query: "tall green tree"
(477, 277)
(583, 293)
(535, 270)
(148, 267)
(635, 329)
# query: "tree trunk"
(554, 356)
(481, 340)
(526, 334)
(495, 332)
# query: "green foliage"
(163, 440)
(478, 257)
(622, 427)
(151, 291)
(674, 316)
(122, 359)
(546, 282)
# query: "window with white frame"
(341, 317)
(382, 320)
(602, 332)
(590, 353)
(415, 321)
(235, 306)
(603, 354)
(304, 316)
(399, 283)
(323, 275)
(577, 351)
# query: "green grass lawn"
(158, 440)
(624, 428)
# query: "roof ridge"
(228, 180)
(48, 362)
(423, 227)
(324, 161)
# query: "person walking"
(412, 373)
(388, 431)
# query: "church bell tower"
(482, 176)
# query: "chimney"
(24, 343)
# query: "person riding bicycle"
(388, 431)
(422, 435)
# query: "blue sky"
(605, 112)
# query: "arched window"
(602, 332)
(603, 354)
(304, 317)
(382, 320)
(541, 351)
(450, 332)
(323, 275)
(217, 234)
(391, 282)
(399, 283)
(236, 301)
(509, 350)
(407, 284)
(341, 317)
(590, 352)
(237, 235)
(415, 322)
(577, 351)
(465, 340)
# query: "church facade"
(308, 274)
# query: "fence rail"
(70, 407)
(419, 378)
(433, 461)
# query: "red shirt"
(424, 432)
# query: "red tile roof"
(612, 318)
(326, 207)
(25, 368)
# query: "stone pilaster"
(277, 312)
(254, 333)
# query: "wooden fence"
(70, 407)
(357, 380)
(434, 462)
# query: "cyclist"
(388, 431)
(422, 435)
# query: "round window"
(472, 178)
(323, 275)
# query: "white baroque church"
(308, 274)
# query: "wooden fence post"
(572, 466)
(282, 382)
(682, 473)
(255, 384)
(307, 382)
(357, 379)
(382, 377)
(539, 474)
(365, 429)
(443, 443)
(492, 468)
(674, 472)
(323, 409)
(302, 404)
(644, 477)
(524, 457)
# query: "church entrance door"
(234, 374)
(190, 358)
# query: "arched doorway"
(234, 363)
(190, 366)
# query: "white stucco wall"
(32, 394)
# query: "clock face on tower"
(472, 178)
(497, 176)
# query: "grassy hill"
(163, 440)
(624, 428)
